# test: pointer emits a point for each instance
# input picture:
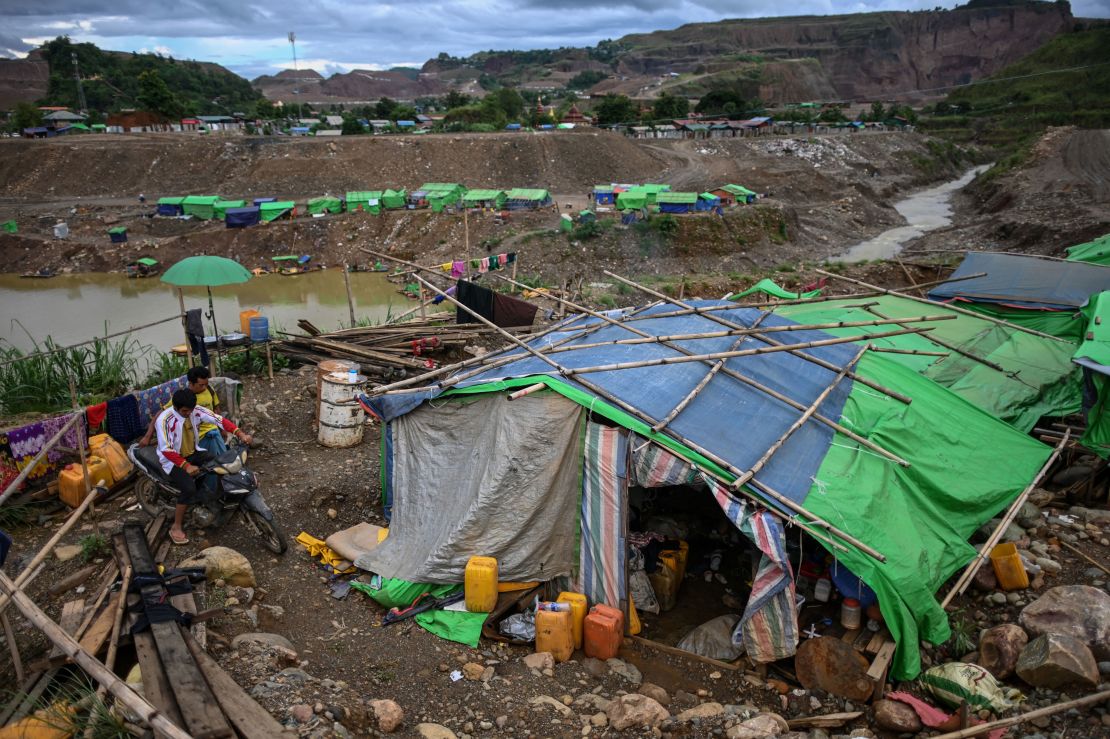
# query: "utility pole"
(293, 43)
(80, 89)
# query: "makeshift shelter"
(525, 199)
(9, 227)
(243, 217)
(260, 201)
(393, 198)
(733, 194)
(564, 513)
(200, 206)
(368, 201)
(1093, 357)
(587, 216)
(634, 199)
(325, 204)
(708, 201)
(566, 223)
(170, 206)
(494, 199)
(1096, 252)
(677, 202)
(1036, 292)
(604, 195)
(221, 207)
(438, 195)
(143, 267)
(118, 235)
(276, 210)
(1010, 373)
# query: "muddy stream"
(924, 211)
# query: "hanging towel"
(153, 400)
(458, 269)
(510, 257)
(502, 259)
(475, 297)
(509, 311)
(124, 424)
(95, 415)
(483, 265)
(474, 263)
(445, 267)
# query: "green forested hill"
(112, 81)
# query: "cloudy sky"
(249, 36)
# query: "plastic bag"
(520, 627)
(713, 639)
(956, 682)
(639, 585)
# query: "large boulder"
(1056, 661)
(763, 726)
(263, 638)
(1079, 611)
(635, 710)
(896, 716)
(827, 663)
(1000, 647)
(223, 563)
(389, 715)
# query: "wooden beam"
(979, 730)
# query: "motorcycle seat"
(148, 456)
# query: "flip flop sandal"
(179, 542)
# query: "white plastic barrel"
(341, 417)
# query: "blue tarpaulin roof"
(240, 217)
(1025, 281)
(710, 418)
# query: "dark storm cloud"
(334, 35)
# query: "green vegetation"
(115, 80)
(1065, 82)
(616, 109)
(586, 79)
(93, 546)
(101, 370)
(668, 106)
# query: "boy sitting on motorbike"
(177, 429)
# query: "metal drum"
(341, 416)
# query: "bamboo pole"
(762, 461)
(952, 347)
(792, 348)
(350, 297)
(526, 391)
(90, 341)
(69, 646)
(14, 485)
(1011, 514)
(1002, 723)
(117, 624)
(681, 406)
(602, 392)
(184, 326)
(26, 575)
(80, 439)
(744, 379)
(917, 352)
(13, 648)
(947, 306)
(1090, 559)
(800, 354)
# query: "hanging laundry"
(95, 415)
(152, 400)
(22, 444)
(475, 297)
(483, 265)
(502, 259)
(509, 311)
(458, 269)
(124, 421)
(445, 267)
(510, 257)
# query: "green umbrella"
(209, 272)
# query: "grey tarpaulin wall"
(480, 475)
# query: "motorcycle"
(226, 484)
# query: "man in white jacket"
(177, 429)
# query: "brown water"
(73, 308)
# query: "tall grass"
(101, 370)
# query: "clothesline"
(175, 317)
(458, 267)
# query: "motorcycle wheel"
(149, 499)
(272, 535)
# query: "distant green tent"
(276, 210)
(1093, 356)
(367, 201)
(220, 208)
(586, 216)
(118, 235)
(1096, 252)
(99, 127)
(79, 126)
(484, 198)
(10, 227)
(440, 195)
(740, 193)
(325, 204)
(632, 199)
(147, 262)
(285, 258)
(566, 223)
(521, 198)
(394, 198)
(200, 206)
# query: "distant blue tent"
(168, 209)
(547, 126)
(406, 124)
(512, 127)
(1023, 281)
(260, 201)
(707, 202)
(604, 196)
(243, 217)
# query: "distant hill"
(864, 56)
(110, 79)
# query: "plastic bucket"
(341, 416)
(1008, 567)
(245, 317)
(259, 328)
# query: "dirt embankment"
(1059, 196)
(821, 194)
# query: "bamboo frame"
(863, 441)
(681, 406)
(50, 444)
(69, 646)
(80, 440)
(764, 489)
(800, 354)
(1011, 514)
(947, 306)
(9, 637)
(526, 391)
(952, 347)
(971, 731)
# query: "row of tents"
(889, 445)
(636, 197)
(235, 213)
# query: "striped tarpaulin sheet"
(653, 466)
(601, 572)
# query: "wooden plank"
(877, 641)
(251, 720)
(862, 640)
(156, 686)
(187, 603)
(94, 638)
(72, 613)
(849, 636)
(198, 705)
(882, 661)
(828, 721)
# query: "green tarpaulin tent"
(367, 201)
(200, 206)
(220, 207)
(394, 198)
(484, 198)
(118, 230)
(1093, 356)
(632, 200)
(147, 262)
(10, 227)
(325, 204)
(1096, 252)
(1013, 375)
(279, 209)
(772, 288)
(171, 201)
